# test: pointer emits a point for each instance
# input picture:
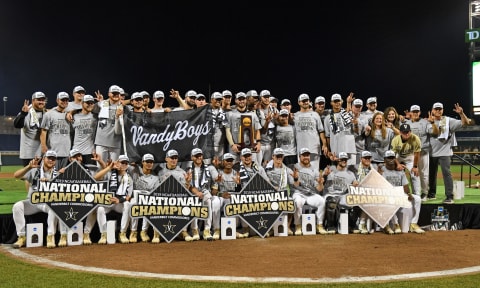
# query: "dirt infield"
(316, 256)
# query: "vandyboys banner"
(156, 133)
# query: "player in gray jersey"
(422, 128)
(309, 131)
(29, 121)
(39, 169)
(270, 114)
(78, 94)
(362, 169)
(284, 138)
(219, 122)
(441, 145)
(84, 126)
(145, 180)
(358, 125)
(55, 133)
(306, 188)
(398, 178)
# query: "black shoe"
(448, 201)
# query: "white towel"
(104, 111)
(34, 123)
(444, 128)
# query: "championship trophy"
(440, 219)
(246, 135)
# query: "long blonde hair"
(374, 126)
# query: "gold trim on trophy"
(246, 133)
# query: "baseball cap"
(196, 151)
(228, 156)
(336, 97)
(145, 94)
(158, 94)
(74, 152)
(278, 151)
(136, 95)
(304, 151)
(50, 153)
(414, 108)
(78, 89)
(366, 154)
(372, 100)
(122, 92)
(438, 105)
(264, 93)
(342, 155)
(357, 102)
(147, 157)
(217, 95)
(114, 89)
(171, 153)
(191, 93)
(38, 95)
(62, 95)
(226, 93)
(246, 151)
(122, 158)
(319, 99)
(285, 101)
(88, 98)
(389, 153)
(273, 99)
(405, 128)
(252, 93)
(240, 95)
(200, 95)
(303, 97)
(283, 112)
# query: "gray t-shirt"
(422, 129)
(394, 177)
(285, 139)
(379, 145)
(308, 177)
(30, 136)
(308, 125)
(58, 137)
(84, 126)
(105, 135)
(234, 121)
(442, 144)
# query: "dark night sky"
(408, 52)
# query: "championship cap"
(228, 156)
(145, 94)
(62, 95)
(366, 153)
(304, 151)
(147, 157)
(285, 101)
(158, 94)
(405, 128)
(320, 99)
(283, 112)
(200, 95)
(136, 95)
(342, 155)
(246, 151)
(303, 97)
(114, 89)
(414, 108)
(74, 152)
(191, 93)
(438, 105)
(264, 93)
(240, 95)
(227, 93)
(171, 153)
(252, 93)
(88, 98)
(278, 151)
(78, 89)
(50, 153)
(122, 92)
(38, 95)
(122, 158)
(372, 100)
(196, 151)
(389, 153)
(217, 95)
(357, 102)
(336, 97)
(273, 99)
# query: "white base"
(34, 235)
(228, 229)
(111, 226)
(343, 223)
(404, 218)
(308, 224)
(280, 227)
(75, 235)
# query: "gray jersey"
(281, 177)
(285, 139)
(84, 126)
(58, 137)
(219, 121)
(33, 177)
(141, 181)
(234, 118)
(267, 137)
(339, 181)
(105, 135)
(228, 183)
(177, 172)
(30, 135)
(394, 177)
(378, 145)
(442, 143)
(73, 106)
(308, 177)
(308, 125)
(340, 133)
(422, 129)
